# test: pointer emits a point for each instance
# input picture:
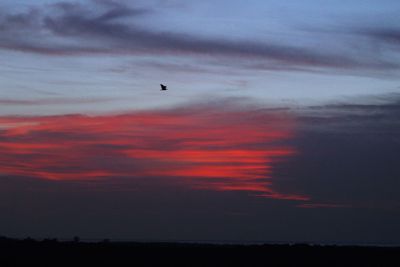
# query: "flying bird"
(163, 87)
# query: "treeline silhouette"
(51, 252)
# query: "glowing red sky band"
(214, 149)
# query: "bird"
(163, 87)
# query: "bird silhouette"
(163, 87)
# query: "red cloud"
(208, 149)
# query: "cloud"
(315, 174)
(321, 205)
(51, 101)
(203, 147)
(348, 155)
(109, 27)
(388, 35)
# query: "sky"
(281, 122)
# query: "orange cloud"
(203, 149)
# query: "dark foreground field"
(53, 253)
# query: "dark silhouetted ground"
(53, 253)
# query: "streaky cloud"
(204, 147)
(75, 29)
(51, 101)
(388, 35)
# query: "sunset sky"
(281, 122)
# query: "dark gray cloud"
(109, 27)
(348, 156)
(51, 101)
(389, 35)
